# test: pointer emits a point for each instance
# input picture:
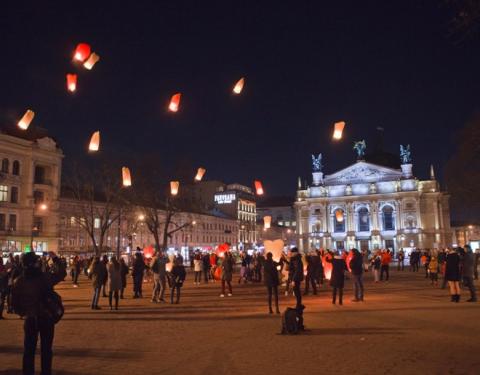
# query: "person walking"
(158, 266)
(468, 274)
(197, 268)
(137, 274)
(227, 273)
(452, 274)
(337, 280)
(296, 274)
(270, 277)
(114, 282)
(97, 273)
(356, 267)
(178, 275)
(123, 275)
(29, 291)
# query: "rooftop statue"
(317, 163)
(405, 154)
(359, 148)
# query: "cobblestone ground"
(405, 326)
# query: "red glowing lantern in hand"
(174, 103)
(71, 82)
(217, 274)
(82, 52)
(258, 187)
(222, 249)
(327, 266)
(148, 252)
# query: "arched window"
(16, 168)
(388, 222)
(339, 221)
(363, 220)
(5, 165)
(317, 227)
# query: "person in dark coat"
(123, 274)
(311, 277)
(178, 276)
(3, 286)
(28, 292)
(452, 274)
(270, 277)
(337, 280)
(206, 266)
(137, 275)
(228, 264)
(296, 274)
(356, 265)
(468, 264)
(98, 273)
(104, 285)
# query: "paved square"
(405, 326)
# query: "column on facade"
(399, 215)
(374, 214)
(417, 209)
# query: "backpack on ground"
(292, 320)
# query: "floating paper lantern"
(27, 118)
(94, 142)
(92, 60)
(237, 89)
(174, 102)
(267, 221)
(71, 82)
(126, 177)
(338, 129)
(339, 215)
(258, 187)
(81, 52)
(200, 173)
(174, 185)
(274, 247)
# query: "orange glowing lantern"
(148, 252)
(338, 129)
(25, 121)
(92, 60)
(71, 82)
(126, 177)
(200, 173)
(339, 215)
(327, 266)
(81, 52)
(276, 248)
(222, 249)
(174, 102)
(258, 187)
(174, 185)
(94, 144)
(237, 89)
(217, 274)
(267, 221)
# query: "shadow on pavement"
(19, 372)
(72, 352)
(354, 331)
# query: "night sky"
(307, 64)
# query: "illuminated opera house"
(370, 206)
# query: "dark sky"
(306, 64)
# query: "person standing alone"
(296, 274)
(356, 265)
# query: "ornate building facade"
(369, 206)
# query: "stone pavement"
(405, 326)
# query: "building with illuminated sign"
(369, 206)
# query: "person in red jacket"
(386, 258)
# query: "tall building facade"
(369, 206)
(31, 164)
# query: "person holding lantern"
(227, 273)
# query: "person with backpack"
(178, 275)
(158, 266)
(270, 276)
(97, 273)
(34, 299)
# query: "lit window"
(96, 223)
(280, 223)
(72, 221)
(3, 193)
(287, 223)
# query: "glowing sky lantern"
(200, 173)
(174, 185)
(27, 118)
(267, 221)
(174, 102)
(126, 177)
(258, 187)
(92, 60)
(237, 89)
(274, 247)
(338, 129)
(94, 144)
(339, 215)
(222, 249)
(81, 52)
(71, 82)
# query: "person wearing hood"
(337, 280)
(468, 263)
